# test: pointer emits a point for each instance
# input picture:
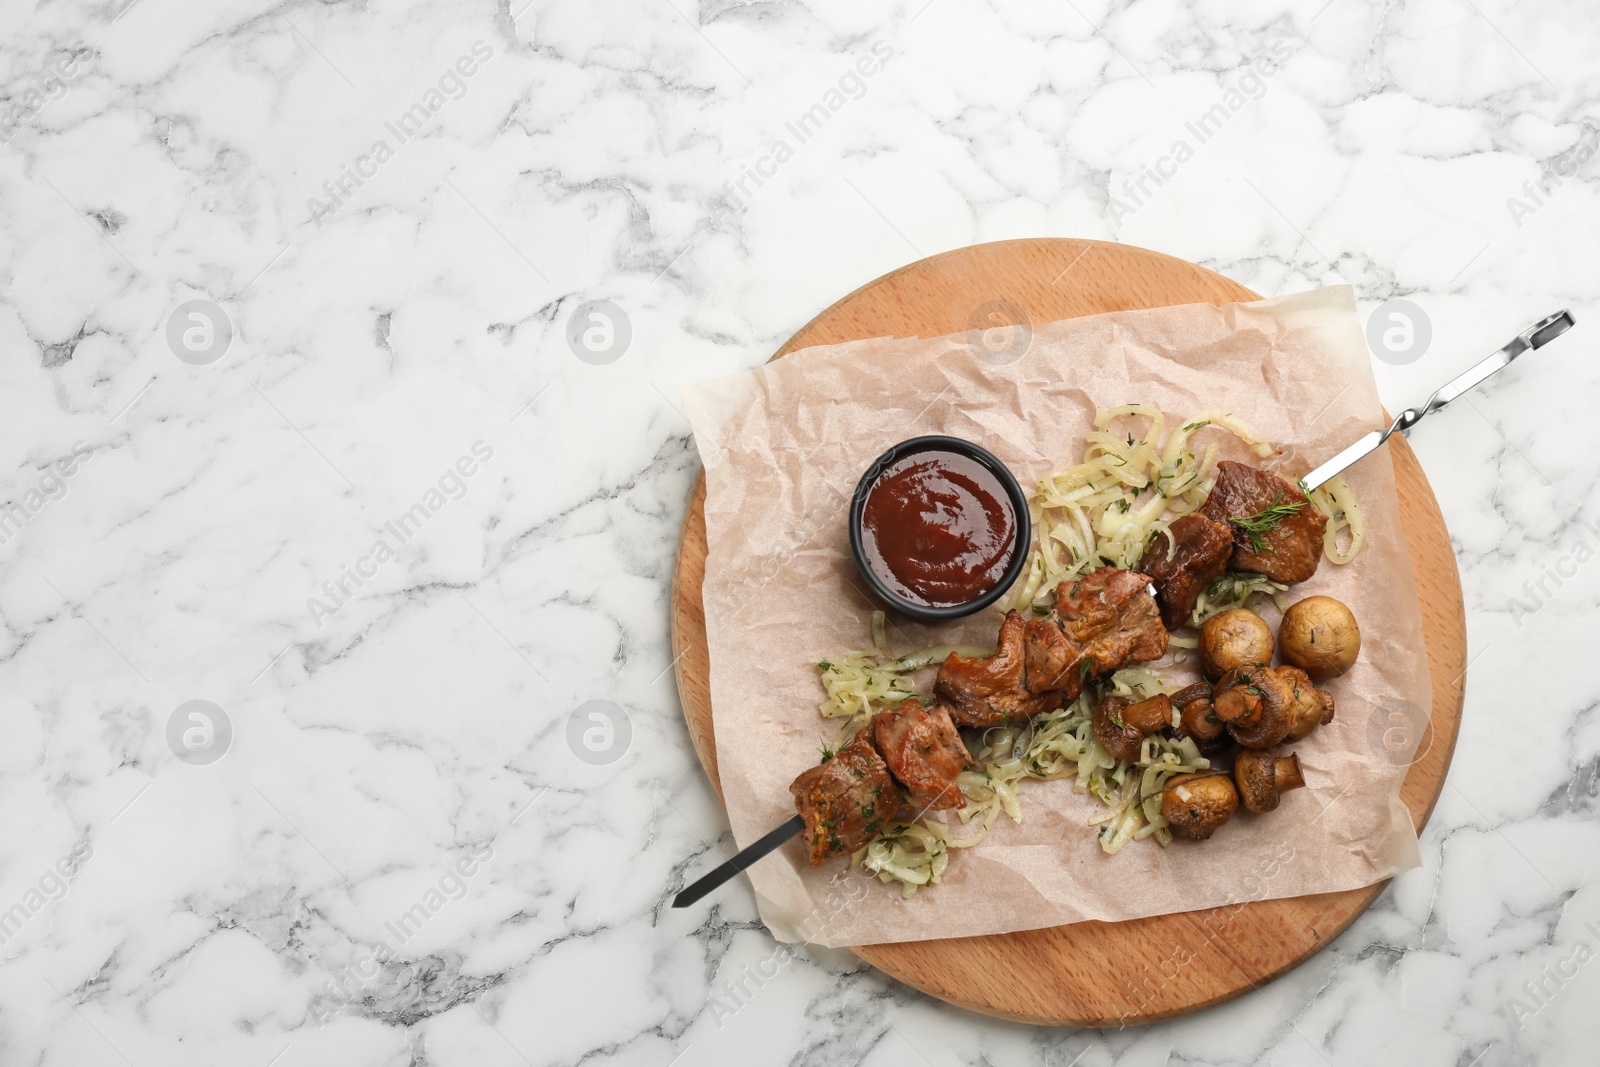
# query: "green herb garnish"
(1268, 518)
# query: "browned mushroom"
(1257, 704)
(1121, 725)
(1198, 803)
(1234, 638)
(1113, 731)
(1149, 716)
(1310, 707)
(1262, 779)
(1197, 718)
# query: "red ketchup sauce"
(938, 529)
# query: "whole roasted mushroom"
(1196, 804)
(1312, 707)
(1234, 638)
(1261, 779)
(1121, 725)
(1113, 731)
(1257, 703)
(1320, 635)
(1197, 718)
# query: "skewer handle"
(1538, 335)
(768, 843)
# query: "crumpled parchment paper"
(783, 448)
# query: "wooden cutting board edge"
(929, 298)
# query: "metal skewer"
(1538, 335)
(767, 843)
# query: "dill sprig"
(1268, 518)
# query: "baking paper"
(783, 448)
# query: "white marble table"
(292, 426)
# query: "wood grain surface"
(1094, 973)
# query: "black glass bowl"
(1014, 494)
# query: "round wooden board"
(1094, 973)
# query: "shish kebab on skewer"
(911, 755)
(1101, 622)
(1040, 665)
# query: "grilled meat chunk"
(990, 690)
(1101, 622)
(1286, 547)
(1181, 569)
(845, 800)
(923, 752)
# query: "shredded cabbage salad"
(1128, 489)
(1335, 500)
(1054, 745)
(1102, 512)
(860, 684)
(1232, 590)
(1134, 480)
